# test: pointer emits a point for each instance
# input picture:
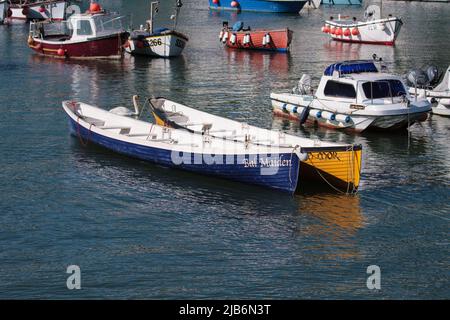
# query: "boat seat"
(142, 135)
(113, 127)
(94, 121)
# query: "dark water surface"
(141, 231)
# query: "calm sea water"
(141, 231)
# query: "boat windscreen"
(383, 89)
(109, 24)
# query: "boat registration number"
(154, 42)
(179, 43)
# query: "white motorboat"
(161, 42)
(439, 95)
(355, 96)
(4, 9)
(30, 10)
(374, 30)
(213, 145)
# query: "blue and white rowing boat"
(212, 145)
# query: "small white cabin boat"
(213, 145)
(96, 34)
(161, 42)
(439, 96)
(374, 30)
(355, 96)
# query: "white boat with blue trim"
(213, 145)
(354, 96)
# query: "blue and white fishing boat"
(342, 2)
(213, 145)
(277, 6)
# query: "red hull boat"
(239, 38)
(92, 35)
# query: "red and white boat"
(27, 10)
(374, 30)
(94, 34)
(239, 37)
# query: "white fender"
(233, 38)
(343, 118)
(328, 115)
(225, 37)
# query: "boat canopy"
(349, 67)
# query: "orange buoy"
(234, 4)
(355, 31)
(347, 32)
(216, 2)
(338, 32)
(333, 30)
(95, 7)
(61, 52)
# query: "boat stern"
(337, 167)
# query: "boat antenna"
(154, 8)
(178, 5)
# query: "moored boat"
(4, 9)
(322, 163)
(374, 30)
(355, 96)
(161, 42)
(277, 6)
(438, 95)
(23, 11)
(222, 147)
(91, 35)
(238, 37)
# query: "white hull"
(441, 98)
(53, 10)
(337, 115)
(170, 45)
(3, 10)
(381, 31)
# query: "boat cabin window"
(383, 89)
(84, 28)
(339, 89)
(109, 23)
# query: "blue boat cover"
(348, 67)
(238, 26)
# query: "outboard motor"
(304, 85)
(417, 77)
(433, 75)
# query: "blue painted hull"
(342, 2)
(285, 179)
(261, 5)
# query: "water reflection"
(336, 221)
(259, 62)
(338, 51)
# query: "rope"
(84, 144)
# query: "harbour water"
(141, 231)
